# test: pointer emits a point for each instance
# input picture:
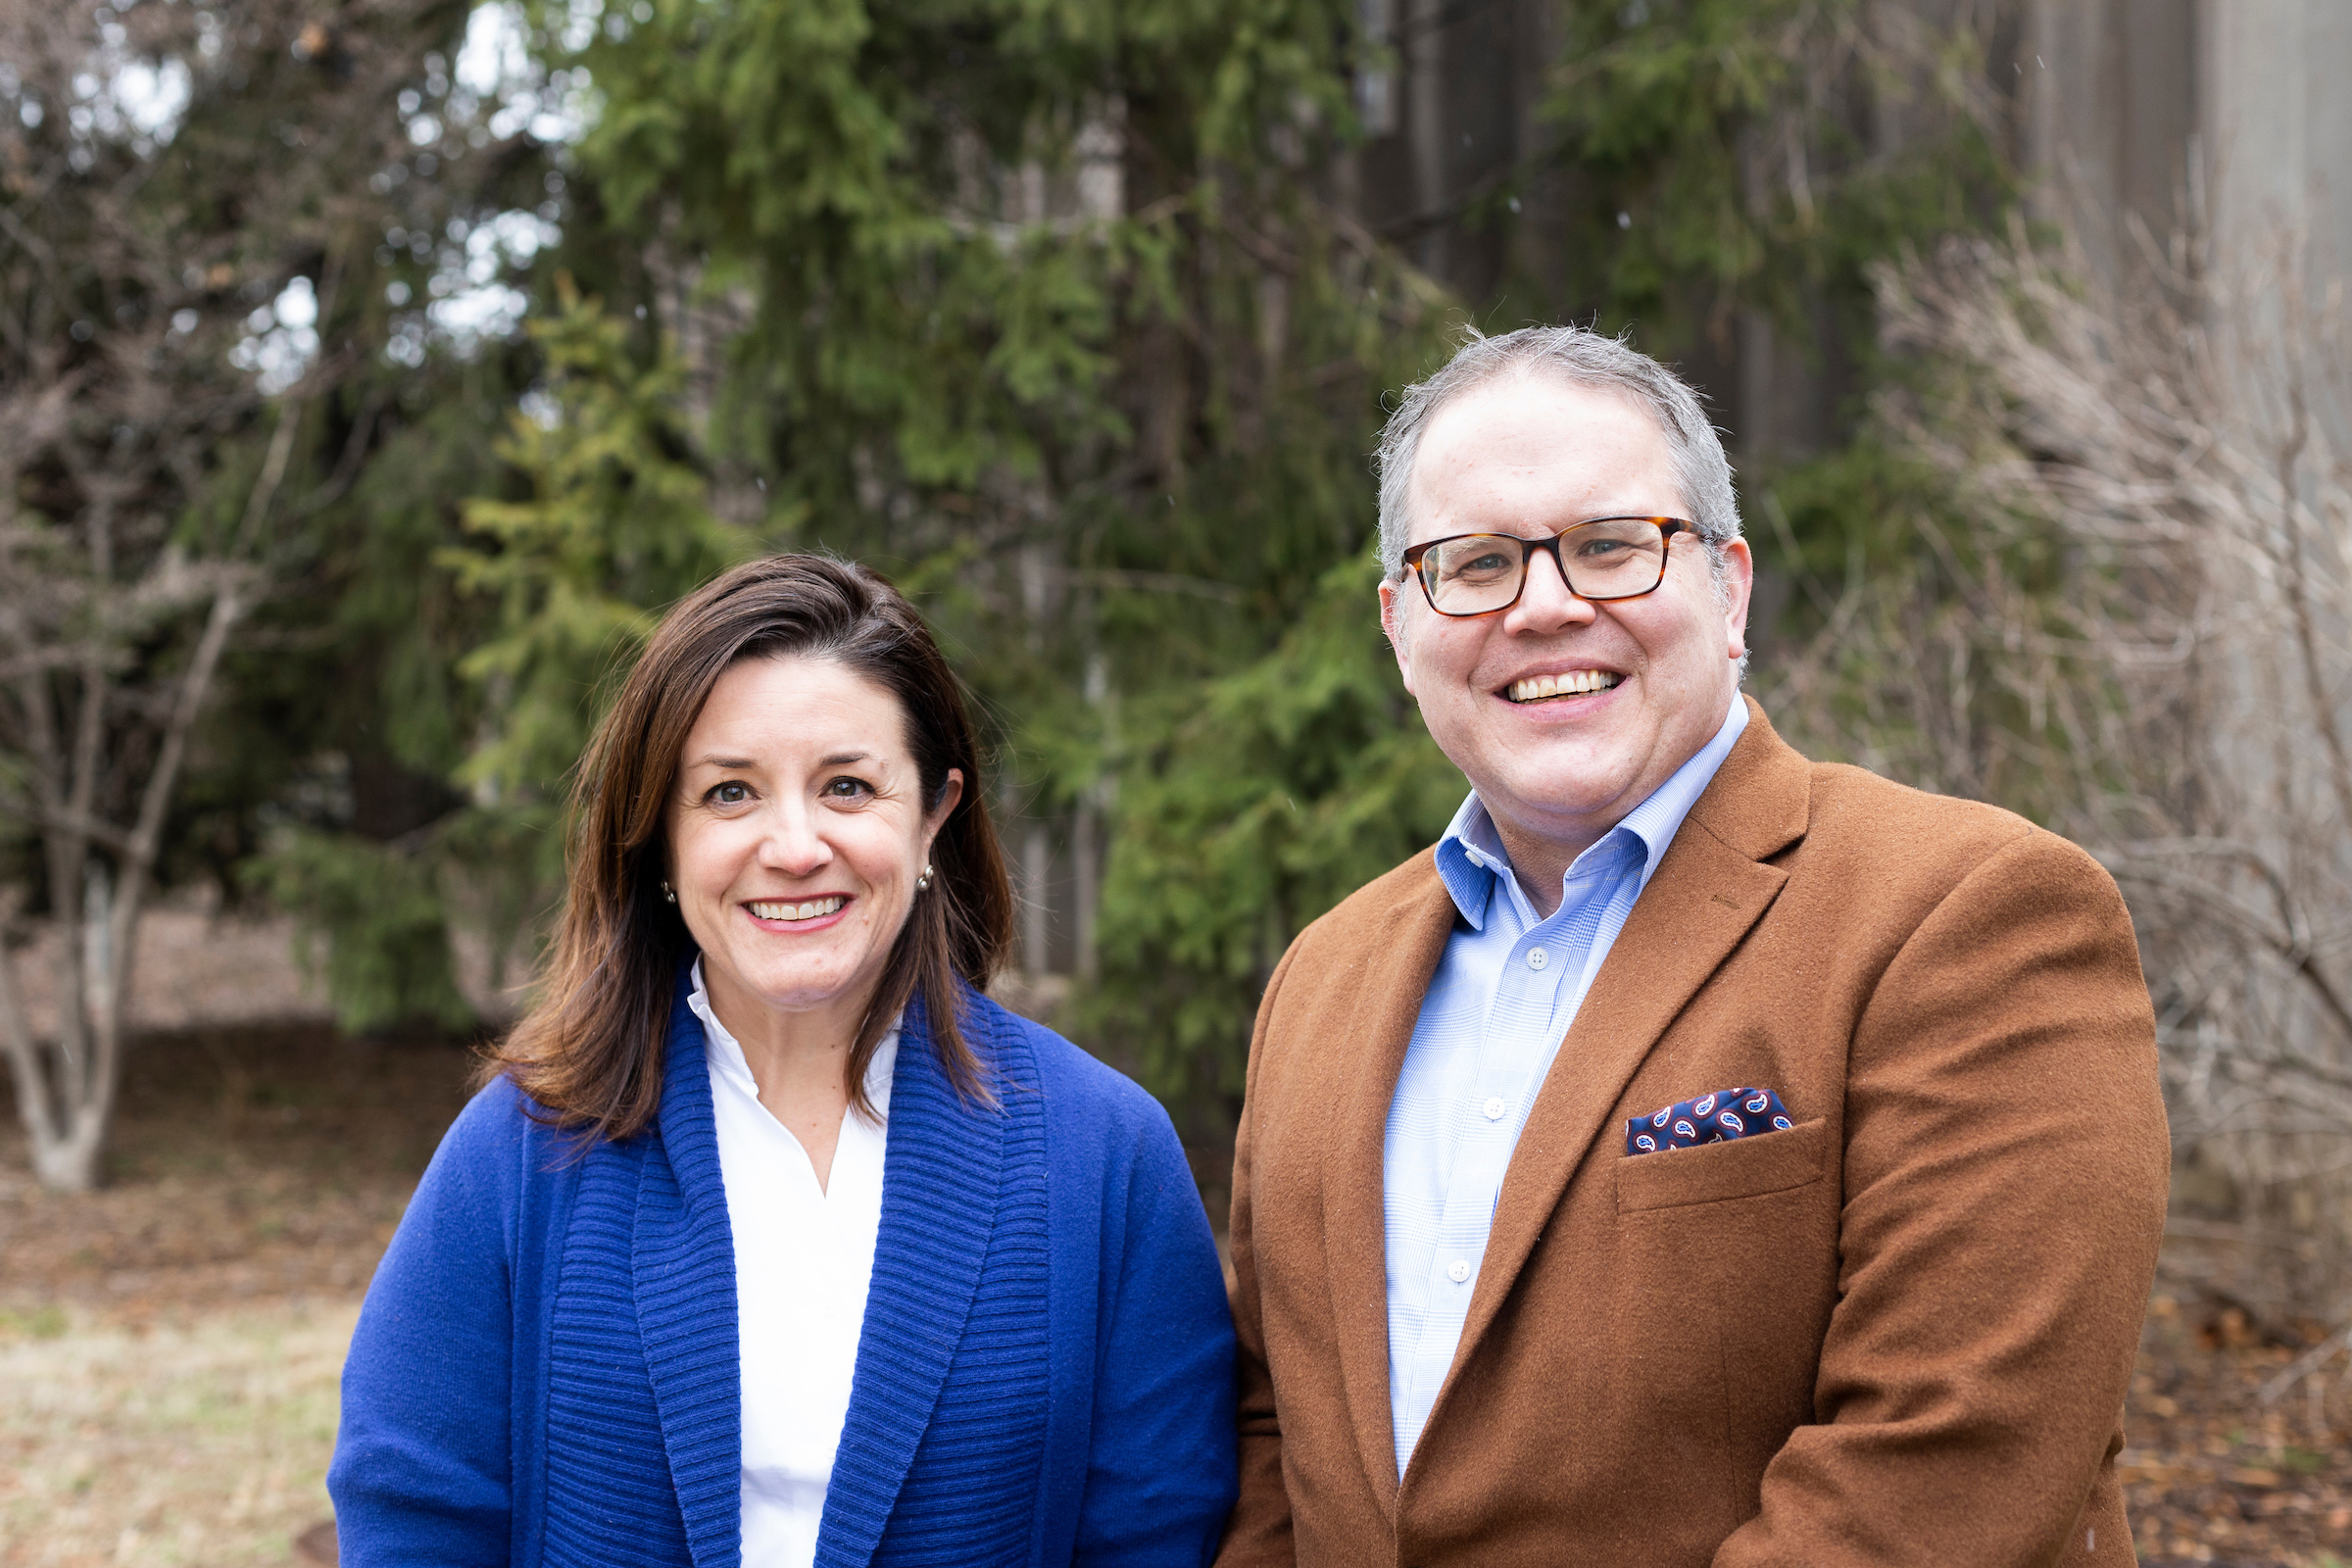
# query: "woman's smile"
(798, 838)
(806, 914)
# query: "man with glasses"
(1701, 1155)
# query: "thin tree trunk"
(67, 1097)
(36, 1106)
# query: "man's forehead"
(1538, 400)
(1542, 433)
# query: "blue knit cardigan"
(545, 1371)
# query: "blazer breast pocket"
(1714, 1173)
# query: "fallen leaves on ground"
(2213, 1472)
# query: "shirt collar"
(724, 1052)
(1475, 866)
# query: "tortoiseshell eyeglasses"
(1599, 559)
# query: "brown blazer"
(1899, 1333)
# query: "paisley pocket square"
(1715, 1118)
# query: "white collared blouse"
(804, 1260)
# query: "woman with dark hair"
(771, 1239)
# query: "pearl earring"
(668, 893)
(922, 884)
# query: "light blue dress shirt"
(1492, 1019)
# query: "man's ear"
(1739, 583)
(1393, 607)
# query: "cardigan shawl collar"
(939, 1176)
(939, 1197)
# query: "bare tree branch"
(120, 421)
(2130, 614)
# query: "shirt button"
(1537, 958)
(1495, 1107)
(1457, 1272)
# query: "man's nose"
(1544, 602)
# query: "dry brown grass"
(204, 1444)
(169, 1344)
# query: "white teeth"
(798, 911)
(1537, 687)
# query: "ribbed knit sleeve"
(421, 1466)
(1159, 1476)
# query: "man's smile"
(1569, 683)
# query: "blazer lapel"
(939, 1173)
(1708, 892)
(1354, 1223)
(682, 1260)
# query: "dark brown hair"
(590, 1049)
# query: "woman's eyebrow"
(735, 764)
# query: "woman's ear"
(951, 790)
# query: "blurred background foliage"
(1059, 314)
(418, 353)
(1078, 318)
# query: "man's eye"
(731, 793)
(1485, 563)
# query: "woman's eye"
(848, 789)
(730, 793)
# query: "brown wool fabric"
(1897, 1334)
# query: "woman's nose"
(792, 845)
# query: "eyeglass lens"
(1615, 557)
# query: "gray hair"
(1580, 358)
